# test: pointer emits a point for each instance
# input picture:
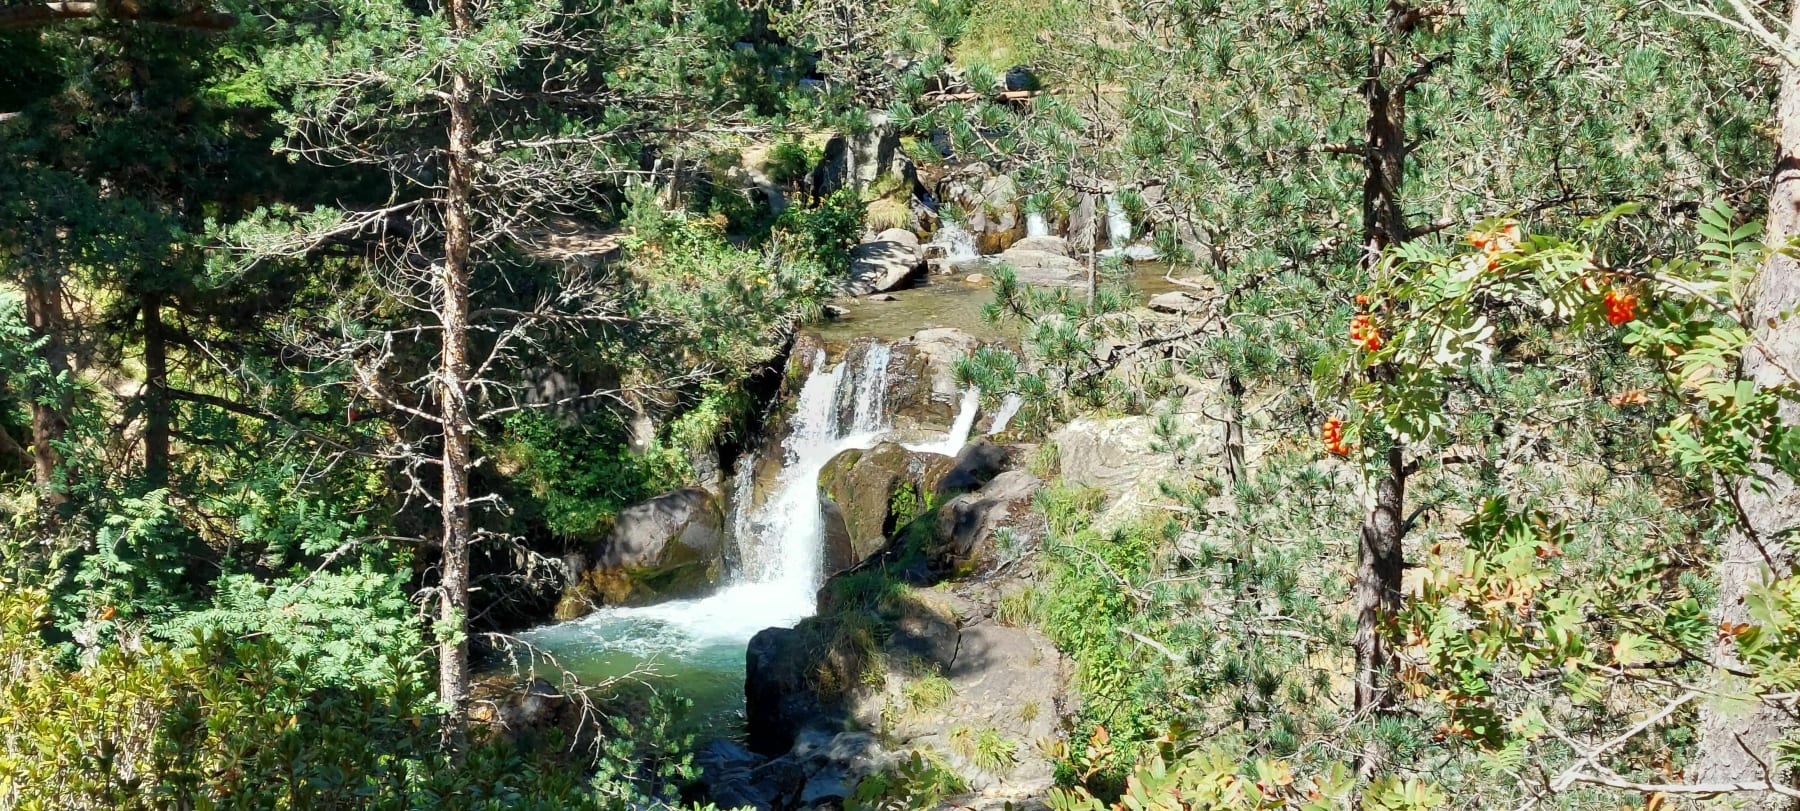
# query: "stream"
(698, 645)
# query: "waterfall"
(780, 560)
(1035, 225)
(954, 441)
(959, 244)
(869, 377)
(1118, 223)
(1009, 407)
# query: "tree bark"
(1736, 745)
(156, 392)
(1380, 559)
(49, 401)
(453, 390)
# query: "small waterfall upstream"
(1118, 223)
(1036, 225)
(779, 560)
(1009, 408)
(959, 244)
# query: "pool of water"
(694, 646)
(947, 301)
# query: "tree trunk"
(1380, 560)
(156, 393)
(1735, 745)
(453, 389)
(49, 400)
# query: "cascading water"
(1035, 225)
(959, 244)
(1118, 223)
(1009, 408)
(780, 550)
(959, 430)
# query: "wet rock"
(969, 536)
(990, 202)
(890, 261)
(975, 279)
(1175, 302)
(1083, 227)
(669, 547)
(884, 297)
(866, 495)
(729, 774)
(922, 394)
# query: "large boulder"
(969, 533)
(866, 495)
(922, 394)
(1043, 261)
(929, 668)
(890, 261)
(1047, 244)
(669, 547)
(1124, 457)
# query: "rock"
(922, 395)
(1051, 245)
(867, 495)
(1019, 77)
(1111, 454)
(999, 223)
(1043, 268)
(669, 547)
(728, 772)
(968, 525)
(1175, 302)
(884, 297)
(975, 465)
(888, 262)
(834, 312)
(1119, 456)
(975, 279)
(522, 713)
(778, 697)
(990, 202)
(1083, 228)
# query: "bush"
(225, 725)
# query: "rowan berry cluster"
(1333, 434)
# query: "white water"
(1035, 225)
(1009, 408)
(959, 244)
(780, 546)
(954, 441)
(1118, 223)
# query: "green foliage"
(581, 474)
(340, 628)
(985, 747)
(919, 783)
(927, 691)
(824, 234)
(224, 725)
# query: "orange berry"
(1621, 307)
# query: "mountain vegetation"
(337, 335)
